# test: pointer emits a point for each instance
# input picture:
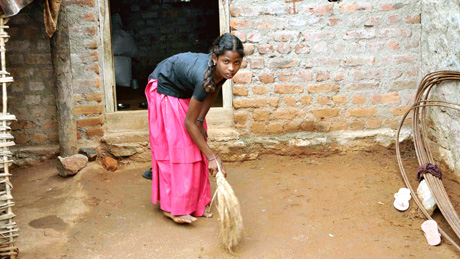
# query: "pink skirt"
(180, 177)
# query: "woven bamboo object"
(8, 228)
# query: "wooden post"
(62, 68)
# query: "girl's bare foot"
(207, 212)
(184, 219)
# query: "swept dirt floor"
(335, 206)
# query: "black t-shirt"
(182, 75)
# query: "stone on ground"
(110, 164)
(68, 166)
(88, 152)
(425, 196)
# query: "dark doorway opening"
(144, 32)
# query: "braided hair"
(220, 45)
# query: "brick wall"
(85, 47)
(31, 96)
(317, 66)
(440, 51)
(164, 29)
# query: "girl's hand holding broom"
(214, 167)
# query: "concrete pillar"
(62, 67)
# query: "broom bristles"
(231, 222)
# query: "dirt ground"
(335, 206)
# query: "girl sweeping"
(180, 92)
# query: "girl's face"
(227, 65)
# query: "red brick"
(411, 43)
(306, 100)
(265, 49)
(248, 49)
(82, 123)
(371, 85)
(393, 45)
(358, 74)
(359, 99)
(89, 109)
(323, 87)
(94, 132)
(359, 34)
(377, 73)
(39, 138)
(275, 127)
(258, 127)
(83, 3)
(79, 134)
(267, 78)
(340, 75)
(291, 126)
(325, 113)
(389, 7)
(302, 48)
(394, 32)
(249, 103)
(339, 125)
(89, 30)
(91, 44)
(306, 75)
(243, 11)
(386, 98)
(254, 37)
(92, 68)
(394, 124)
(323, 126)
(412, 72)
(393, 19)
(257, 63)
(355, 7)
(400, 110)
(243, 78)
(283, 63)
(240, 35)
(413, 19)
(110, 164)
(83, 83)
(240, 90)
(286, 36)
(307, 125)
(273, 101)
(94, 97)
(318, 35)
(244, 64)
(362, 112)
(339, 99)
(376, 46)
(322, 76)
(261, 115)
(259, 89)
(89, 17)
(241, 24)
(267, 23)
(324, 9)
(284, 48)
(373, 124)
(49, 125)
(285, 76)
(356, 125)
(288, 89)
(402, 85)
(359, 61)
(288, 114)
(398, 59)
(323, 100)
(334, 21)
(289, 100)
(240, 117)
(20, 138)
(372, 21)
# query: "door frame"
(108, 74)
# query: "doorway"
(144, 32)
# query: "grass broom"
(231, 222)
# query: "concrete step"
(129, 121)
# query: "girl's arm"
(197, 109)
